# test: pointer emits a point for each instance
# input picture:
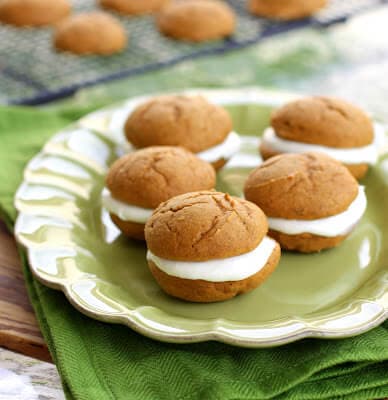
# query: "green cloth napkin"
(99, 361)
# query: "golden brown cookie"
(150, 176)
(323, 121)
(285, 9)
(203, 226)
(134, 7)
(90, 33)
(304, 187)
(187, 121)
(197, 20)
(33, 12)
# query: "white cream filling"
(357, 155)
(219, 270)
(225, 150)
(125, 211)
(336, 225)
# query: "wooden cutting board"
(19, 330)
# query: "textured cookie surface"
(197, 20)
(134, 7)
(285, 9)
(325, 121)
(150, 176)
(306, 186)
(204, 291)
(186, 121)
(33, 12)
(203, 226)
(90, 33)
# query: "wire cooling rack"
(32, 72)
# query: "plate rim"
(219, 332)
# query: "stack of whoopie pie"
(206, 246)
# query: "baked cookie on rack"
(208, 246)
(285, 9)
(197, 20)
(90, 33)
(33, 12)
(138, 182)
(187, 121)
(311, 200)
(134, 7)
(323, 124)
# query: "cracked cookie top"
(325, 121)
(188, 121)
(150, 176)
(301, 186)
(203, 226)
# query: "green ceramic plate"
(73, 247)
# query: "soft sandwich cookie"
(285, 9)
(326, 125)
(134, 7)
(90, 33)
(187, 121)
(197, 20)
(138, 182)
(311, 200)
(33, 12)
(208, 246)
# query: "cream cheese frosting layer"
(124, 211)
(220, 270)
(356, 155)
(336, 225)
(225, 150)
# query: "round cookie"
(312, 201)
(197, 20)
(138, 182)
(90, 33)
(187, 121)
(134, 7)
(285, 9)
(33, 12)
(196, 240)
(333, 124)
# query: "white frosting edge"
(336, 225)
(220, 270)
(356, 155)
(225, 150)
(124, 211)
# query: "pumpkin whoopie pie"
(33, 12)
(285, 9)
(187, 121)
(134, 7)
(208, 246)
(138, 182)
(90, 33)
(323, 124)
(197, 20)
(311, 200)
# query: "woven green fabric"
(100, 361)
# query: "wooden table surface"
(19, 329)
